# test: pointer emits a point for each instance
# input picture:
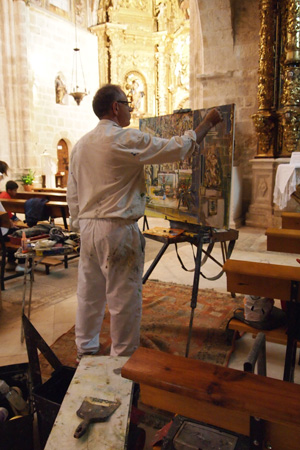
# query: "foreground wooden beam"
(218, 396)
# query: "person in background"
(10, 192)
(106, 195)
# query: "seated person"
(11, 192)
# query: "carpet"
(165, 323)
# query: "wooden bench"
(218, 396)
(290, 220)
(56, 209)
(274, 281)
(51, 196)
(283, 240)
(54, 190)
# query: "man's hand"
(211, 119)
(214, 116)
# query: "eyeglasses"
(125, 102)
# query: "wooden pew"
(56, 209)
(51, 196)
(218, 396)
(283, 240)
(57, 190)
(274, 281)
(290, 220)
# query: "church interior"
(168, 56)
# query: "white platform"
(100, 377)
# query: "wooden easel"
(198, 236)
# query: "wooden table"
(100, 377)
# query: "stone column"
(289, 114)
(100, 32)
(264, 119)
(16, 102)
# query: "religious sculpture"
(60, 89)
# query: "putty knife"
(94, 410)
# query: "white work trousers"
(110, 271)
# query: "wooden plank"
(216, 395)
(283, 240)
(51, 196)
(50, 261)
(216, 385)
(266, 280)
(4, 219)
(62, 190)
(55, 207)
(290, 220)
(278, 335)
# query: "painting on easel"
(196, 190)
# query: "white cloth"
(106, 177)
(286, 181)
(110, 270)
(106, 195)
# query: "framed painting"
(197, 190)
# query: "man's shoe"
(80, 355)
(19, 268)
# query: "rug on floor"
(165, 324)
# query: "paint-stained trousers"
(110, 271)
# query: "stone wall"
(226, 54)
(35, 46)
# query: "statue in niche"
(135, 94)
(60, 90)
(185, 7)
(161, 15)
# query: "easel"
(198, 236)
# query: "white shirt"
(106, 177)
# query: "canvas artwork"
(196, 190)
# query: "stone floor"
(54, 297)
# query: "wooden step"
(290, 220)
(49, 261)
(283, 240)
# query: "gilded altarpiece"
(144, 47)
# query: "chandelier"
(78, 88)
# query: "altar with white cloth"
(286, 181)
